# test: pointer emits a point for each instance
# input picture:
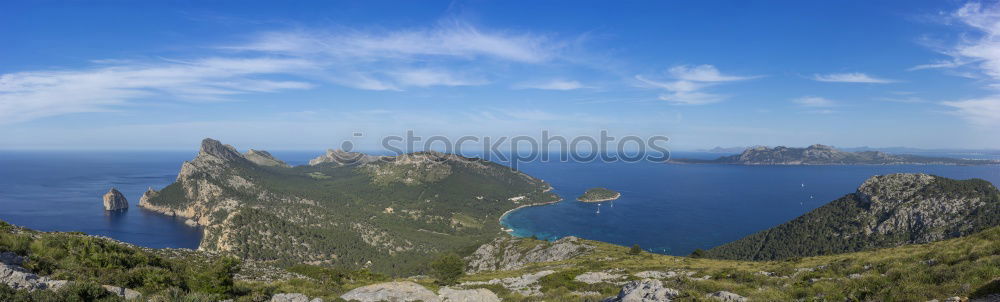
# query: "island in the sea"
(599, 195)
(827, 155)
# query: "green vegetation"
(598, 194)
(966, 267)
(447, 268)
(843, 225)
(389, 216)
(94, 261)
(635, 250)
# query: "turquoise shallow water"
(670, 209)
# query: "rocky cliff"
(339, 213)
(114, 200)
(264, 158)
(826, 155)
(885, 211)
(340, 157)
(507, 253)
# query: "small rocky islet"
(945, 220)
(115, 200)
(599, 195)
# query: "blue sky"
(306, 75)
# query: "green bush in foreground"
(447, 268)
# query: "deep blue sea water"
(675, 209)
(669, 209)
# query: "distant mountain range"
(826, 155)
(895, 150)
(886, 211)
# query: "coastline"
(617, 195)
(510, 231)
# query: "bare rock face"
(127, 294)
(391, 291)
(114, 200)
(507, 254)
(901, 204)
(295, 297)
(264, 158)
(217, 149)
(646, 290)
(18, 278)
(448, 294)
(725, 296)
(341, 157)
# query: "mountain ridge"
(355, 214)
(885, 211)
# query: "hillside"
(826, 155)
(351, 214)
(512, 269)
(886, 211)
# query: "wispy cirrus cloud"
(449, 54)
(685, 84)
(814, 101)
(556, 84)
(976, 54)
(35, 94)
(449, 39)
(852, 77)
(394, 60)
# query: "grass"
(967, 266)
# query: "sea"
(664, 208)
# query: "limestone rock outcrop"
(506, 253)
(646, 290)
(448, 294)
(264, 158)
(341, 157)
(391, 291)
(725, 296)
(114, 200)
(293, 297)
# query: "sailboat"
(598, 208)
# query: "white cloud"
(36, 94)
(976, 55)
(431, 77)
(814, 101)
(557, 84)
(853, 77)
(983, 112)
(702, 73)
(449, 54)
(394, 60)
(687, 83)
(450, 39)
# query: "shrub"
(698, 253)
(635, 250)
(447, 268)
(217, 278)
